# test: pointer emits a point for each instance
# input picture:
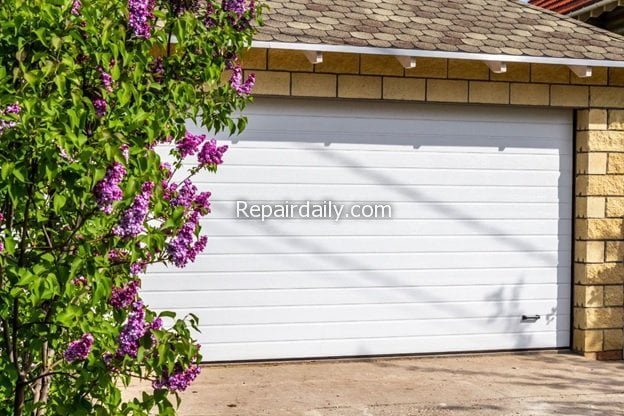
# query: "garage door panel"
(389, 193)
(412, 128)
(261, 315)
(360, 328)
(438, 211)
(387, 227)
(368, 261)
(397, 159)
(367, 244)
(212, 280)
(270, 140)
(383, 346)
(243, 175)
(342, 296)
(480, 233)
(431, 142)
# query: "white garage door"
(479, 234)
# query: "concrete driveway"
(502, 384)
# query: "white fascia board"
(369, 50)
(604, 5)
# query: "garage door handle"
(530, 318)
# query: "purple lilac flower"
(108, 360)
(100, 106)
(156, 324)
(124, 296)
(141, 12)
(242, 87)
(210, 154)
(202, 202)
(6, 125)
(131, 223)
(1, 217)
(79, 281)
(132, 332)
(1, 246)
(117, 256)
(75, 10)
(107, 190)
(169, 190)
(209, 19)
(185, 194)
(182, 248)
(13, 109)
(106, 79)
(138, 267)
(189, 144)
(79, 350)
(236, 6)
(179, 380)
(187, 5)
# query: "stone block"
(614, 295)
(591, 163)
(428, 68)
(530, 94)
(356, 86)
(599, 318)
(447, 90)
(613, 339)
(489, 92)
(286, 60)
(589, 251)
(380, 65)
(588, 296)
(404, 89)
(465, 69)
(597, 274)
(313, 85)
(587, 341)
(517, 72)
(569, 96)
(254, 58)
(339, 63)
(607, 97)
(272, 83)
(553, 74)
(616, 163)
(615, 207)
(600, 141)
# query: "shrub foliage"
(96, 185)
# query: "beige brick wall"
(599, 254)
(598, 302)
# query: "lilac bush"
(92, 93)
(107, 190)
(79, 350)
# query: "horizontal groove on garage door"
(480, 233)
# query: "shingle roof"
(504, 27)
(562, 6)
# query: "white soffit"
(367, 50)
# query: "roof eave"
(595, 9)
(418, 53)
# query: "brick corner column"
(598, 321)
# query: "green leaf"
(7, 169)
(167, 314)
(59, 202)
